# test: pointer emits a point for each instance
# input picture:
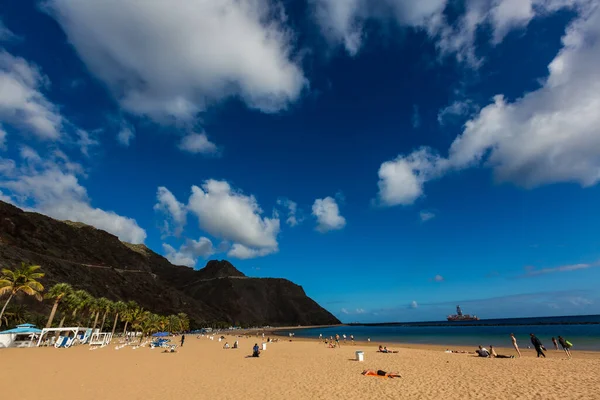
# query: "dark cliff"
(94, 260)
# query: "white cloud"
(549, 135)
(413, 304)
(401, 180)
(344, 311)
(52, 186)
(5, 33)
(85, 141)
(22, 103)
(328, 215)
(343, 21)
(457, 109)
(189, 252)
(292, 211)
(197, 143)
(2, 138)
(242, 252)
(126, 133)
(532, 271)
(231, 215)
(426, 216)
(189, 56)
(175, 211)
(438, 278)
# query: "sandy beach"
(301, 369)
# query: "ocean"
(582, 331)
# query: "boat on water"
(459, 316)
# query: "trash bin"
(264, 346)
(360, 356)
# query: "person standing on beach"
(566, 345)
(538, 345)
(554, 343)
(337, 340)
(352, 338)
(515, 345)
(182, 339)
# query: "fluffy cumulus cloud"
(549, 135)
(293, 217)
(51, 185)
(189, 252)
(126, 133)
(236, 217)
(224, 213)
(197, 143)
(342, 22)
(401, 180)
(413, 304)
(187, 57)
(174, 211)
(327, 213)
(22, 102)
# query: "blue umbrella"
(24, 328)
(161, 334)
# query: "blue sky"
(393, 159)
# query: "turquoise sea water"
(582, 331)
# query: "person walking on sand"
(337, 340)
(515, 345)
(182, 340)
(352, 338)
(566, 345)
(538, 345)
(554, 343)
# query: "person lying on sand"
(456, 351)
(496, 355)
(482, 352)
(372, 372)
(385, 350)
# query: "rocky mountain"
(95, 260)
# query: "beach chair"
(60, 342)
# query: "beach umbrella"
(161, 334)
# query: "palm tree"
(78, 300)
(119, 308)
(163, 323)
(57, 292)
(149, 324)
(136, 317)
(128, 313)
(184, 322)
(94, 308)
(104, 305)
(15, 315)
(174, 323)
(23, 279)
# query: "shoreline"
(277, 332)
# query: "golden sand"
(202, 369)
